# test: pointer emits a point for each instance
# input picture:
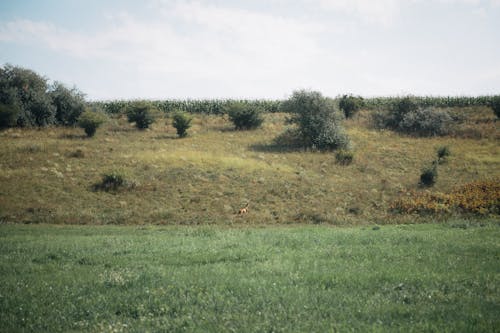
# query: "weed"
(79, 153)
(344, 157)
(480, 198)
(111, 182)
(443, 152)
(429, 175)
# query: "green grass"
(428, 277)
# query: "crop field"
(429, 277)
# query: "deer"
(243, 210)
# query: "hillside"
(47, 175)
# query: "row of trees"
(27, 99)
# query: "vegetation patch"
(112, 182)
(400, 278)
(479, 198)
(245, 116)
(317, 120)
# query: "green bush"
(426, 122)
(429, 175)
(111, 182)
(69, 104)
(182, 122)
(344, 157)
(350, 104)
(143, 114)
(495, 105)
(8, 115)
(406, 116)
(245, 116)
(91, 120)
(317, 120)
(442, 153)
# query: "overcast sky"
(256, 48)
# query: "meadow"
(423, 277)
(320, 249)
(47, 175)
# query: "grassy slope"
(206, 177)
(441, 278)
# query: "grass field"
(47, 175)
(429, 277)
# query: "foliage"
(426, 122)
(182, 122)
(90, 120)
(442, 153)
(344, 157)
(350, 104)
(394, 116)
(429, 175)
(317, 119)
(142, 113)
(202, 106)
(480, 197)
(406, 116)
(28, 90)
(245, 116)
(111, 182)
(69, 104)
(494, 103)
(431, 101)
(8, 115)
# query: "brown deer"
(243, 210)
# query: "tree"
(69, 103)
(26, 90)
(317, 120)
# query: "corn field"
(217, 106)
(207, 106)
(428, 101)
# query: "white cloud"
(217, 41)
(379, 12)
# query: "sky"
(165, 49)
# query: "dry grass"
(47, 175)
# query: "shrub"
(404, 115)
(69, 104)
(426, 122)
(344, 157)
(182, 122)
(442, 153)
(111, 182)
(350, 104)
(142, 113)
(8, 115)
(398, 108)
(245, 116)
(317, 120)
(90, 121)
(495, 105)
(429, 175)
